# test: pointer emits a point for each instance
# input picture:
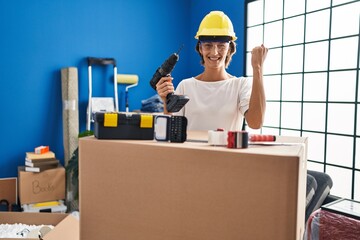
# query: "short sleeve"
(244, 94)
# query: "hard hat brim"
(215, 32)
(215, 38)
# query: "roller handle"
(101, 61)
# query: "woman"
(218, 99)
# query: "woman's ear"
(228, 54)
(200, 50)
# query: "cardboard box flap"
(31, 218)
(67, 229)
(66, 226)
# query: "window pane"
(314, 116)
(294, 7)
(359, 85)
(341, 181)
(291, 115)
(357, 158)
(315, 166)
(312, 5)
(255, 13)
(337, 2)
(270, 131)
(339, 150)
(272, 87)
(343, 54)
(273, 34)
(315, 86)
(342, 86)
(252, 131)
(292, 87)
(341, 118)
(249, 71)
(254, 37)
(292, 133)
(317, 25)
(358, 124)
(347, 15)
(273, 62)
(273, 10)
(294, 30)
(293, 59)
(357, 186)
(272, 114)
(316, 56)
(316, 143)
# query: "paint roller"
(132, 81)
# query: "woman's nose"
(214, 49)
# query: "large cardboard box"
(8, 189)
(66, 226)
(45, 186)
(159, 190)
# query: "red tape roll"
(238, 139)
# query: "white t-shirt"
(213, 105)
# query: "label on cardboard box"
(48, 185)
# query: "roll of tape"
(238, 139)
(217, 138)
(70, 105)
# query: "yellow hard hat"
(216, 23)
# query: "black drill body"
(164, 70)
(174, 103)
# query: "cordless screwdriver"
(174, 103)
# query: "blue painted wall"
(38, 38)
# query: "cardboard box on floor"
(136, 189)
(48, 185)
(8, 189)
(66, 226)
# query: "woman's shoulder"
(238, 80)
(187, 80)
(233, 79)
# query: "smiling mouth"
(214, 58)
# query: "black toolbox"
(130, 126)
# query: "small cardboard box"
(66, 226)
(48, 185)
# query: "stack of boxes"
(43, 188)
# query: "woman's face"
(214, 53)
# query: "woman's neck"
(213, 75)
